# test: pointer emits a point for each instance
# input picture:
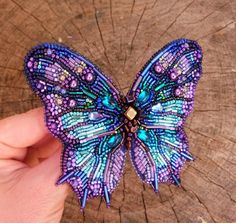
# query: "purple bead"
(173, 76)
(73, 83)
(158, 68)
(89, 77)
(72, 103)
(199, 55)
(29, 64)
(177, 92)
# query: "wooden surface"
(119, 36)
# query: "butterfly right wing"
(163, 95)
(83, 109)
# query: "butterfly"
(97, 124)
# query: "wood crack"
(145, 210)
(25, 34)
(123, 198)
(104, 46)
(207, 110)
(172, 206)
(83, 213)
(218, 30)
(132, 7)
(208, 15)
(11, 68)
(200, 202)
(111, 15)
(101, 36)
(175, 20)
(40, 22)
(154, 3)
(136, 30)
(213, 182)
(82, 36)
(120, 214)
(199, 133)
(220, 167)
(68, 5)
(98, 209)
(144, 205)
(125, 59)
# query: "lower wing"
(159, 154)
(94, 167)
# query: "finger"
(7, 153)
(42, 150)
(23, 130)
(32, 155)
(46, 174)
(47, 146)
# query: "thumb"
(46, 174)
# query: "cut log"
(120, 36)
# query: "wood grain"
(119, 36)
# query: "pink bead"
(173, 76)
(177, 92)
(158, 68)
(89, 77)
(29, 64)
(73, 83)
(72, 103)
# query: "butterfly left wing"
(83, 110)
(163, 95)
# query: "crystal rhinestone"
(157, 108)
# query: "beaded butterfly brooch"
(98, 125)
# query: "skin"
(29, 168)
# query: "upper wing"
(84, 110)
(163, 93)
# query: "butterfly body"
(98, 125)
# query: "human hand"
(29, 168)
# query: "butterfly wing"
(163, 94)
(83, 109)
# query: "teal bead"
(114, 140)
(106, 101)
(143, 97)
(142, 134)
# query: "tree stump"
(120, 36)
